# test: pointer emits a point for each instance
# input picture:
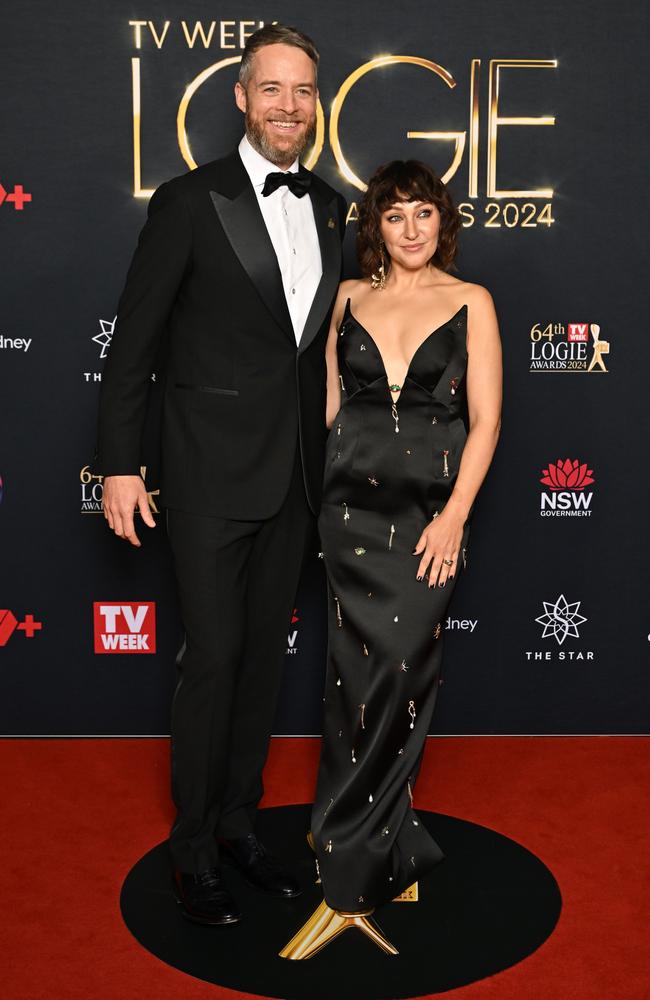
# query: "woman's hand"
(439, 547)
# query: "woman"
(414, 360)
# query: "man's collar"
(257, 166)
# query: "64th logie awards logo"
(574, 347)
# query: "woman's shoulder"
(477, 298)
(474, 294)
(481, 313)
(348, 291)
(352, 285)
(352, 289)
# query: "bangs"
(406, 182)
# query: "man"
(236, 271)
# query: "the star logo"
(561, 619)
(104, 338)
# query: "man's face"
(279, 102)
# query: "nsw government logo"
(123, 627)
(560, 621)
(566, 481)
(570, 347)
(292, 637)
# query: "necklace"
(395, 387)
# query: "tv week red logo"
(578, 333)
(125, 627)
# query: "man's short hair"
(275, 34)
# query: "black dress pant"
(236, 583)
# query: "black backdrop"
(571, 552)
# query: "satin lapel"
(329, 238)
(240, 216)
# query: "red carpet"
(78, 814)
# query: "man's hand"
(123, 495)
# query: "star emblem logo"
(561, 619)
(104, 338)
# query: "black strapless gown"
(389, 470)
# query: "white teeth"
(286, 125)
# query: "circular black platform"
(487, 906)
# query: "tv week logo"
(125, 627)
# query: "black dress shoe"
(258, 868)
(204, 898)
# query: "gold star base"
(325, 925)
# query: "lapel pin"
(331, 223)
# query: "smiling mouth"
(410, 248)
(283, 125)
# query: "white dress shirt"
(290, 224)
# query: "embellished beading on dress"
(390, 468)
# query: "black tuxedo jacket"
(238, 395)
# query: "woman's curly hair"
(405, 180)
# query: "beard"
(281, 156)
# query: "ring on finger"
(448, 562)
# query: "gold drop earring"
(379, 280)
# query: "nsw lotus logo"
(567, 475)
(566, 480)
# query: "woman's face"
(410, 231)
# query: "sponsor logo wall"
(547, 632)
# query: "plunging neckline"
(415, 353)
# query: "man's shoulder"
(206, 176)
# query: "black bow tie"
(298, 183)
